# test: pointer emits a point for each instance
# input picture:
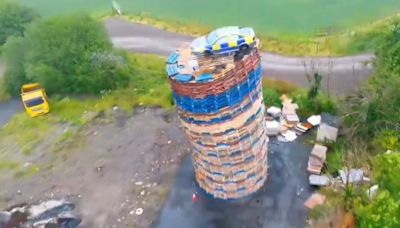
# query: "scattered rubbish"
(353, 176)
(274, 111)
(273, 127)
(292, 119)
(315, 200)
(142, 193)
(326, 133)
(317, 159)
(388, 152)
(302, 128)
(52, 213)
(319, 180)
(115, 108)
(289, 110)
(314, 120)
(194, 198)
(290, 136)
(139, 211)
(281, 138)
(138, 183)
(372, 192)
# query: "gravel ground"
(111, 170)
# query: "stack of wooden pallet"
(222, 111)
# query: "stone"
(139, 211)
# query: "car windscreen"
(34, 102)
(212, 37)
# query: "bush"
(384, 209)
(317, 105)
(14, 19)
(387, 140)
(271, 97)
(67, 55)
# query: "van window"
(33, 102)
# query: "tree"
(14, 19)
(69, 55)
(375, 107)
(15, 75)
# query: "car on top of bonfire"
(225, 40)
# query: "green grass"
(269, 17)
(293, 27)
(8, 165)
(148, 87)
(26, 132)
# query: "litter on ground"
(326, 133)
(315, 200)
(314, 120)
(352, 176)
(319, 180)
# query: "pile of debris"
(52, 213)
(285, 123)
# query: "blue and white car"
(224, 40)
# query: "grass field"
(269, 17)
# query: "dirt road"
(341, 74)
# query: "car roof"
(228, 30)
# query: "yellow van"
(34, 99)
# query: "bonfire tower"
(220, 104)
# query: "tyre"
(208, 53)
(245, 49)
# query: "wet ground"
(279, 204)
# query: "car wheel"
(239, 56)
(245, 49)
(207, 53)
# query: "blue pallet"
(171, 69)
(183, 77)
(173, 58)
(232, 115)
(214, 103)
